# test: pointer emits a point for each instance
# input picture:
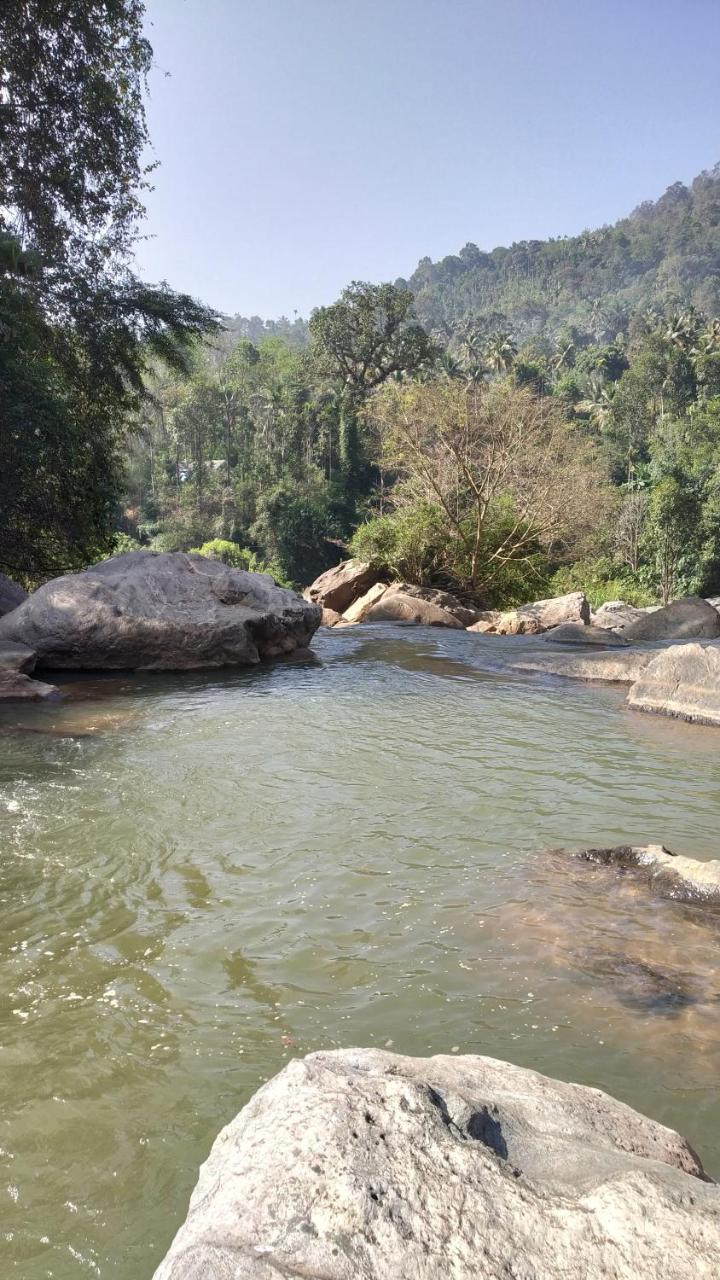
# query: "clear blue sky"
(306, 143)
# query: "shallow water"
(203, 876)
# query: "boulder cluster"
(670, 656)
(354, 592)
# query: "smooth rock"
(668, 874)
(16, 663)
(423, 606)
(541, 615)
(578, 633)
(339, 587)
(684, 619)
(365, 1165)
(622, 667)
(682, 681)
(360, 608)
(330, 618)
(616, 615)
(486, 621)
(11, 594)
(160, 611)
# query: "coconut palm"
(501, 351)
(598, 402)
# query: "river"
(205, 875)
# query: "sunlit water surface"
(202, 876)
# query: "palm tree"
(704, 355)
(448, 367)
(561, 360)
(470, 340)
(682, 328)
(598, 403)
(501, 351)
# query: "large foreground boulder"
(668, 874)
(16, 663)
(424, 606)
(364, 1165)
(11, 595)
(687, 619)
(339, 587)
(160, 611)
(682, 681)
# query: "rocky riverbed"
(209, 872)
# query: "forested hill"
(666, 254)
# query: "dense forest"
(665, 254)
(507, 424)
(497, 453)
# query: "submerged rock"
(359, 1164)
(160, 611)
(685, 619)
(11, 594)
(645, 987)
(668, 874)
(424, 606)
(623, 666)
(16, 663)
(682, 681)
(339, 587)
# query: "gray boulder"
(11, 594)
(339, 587)
(682, 681)
(541, 615)
(359, 609)
(363, 1165)
(667, 874)
(576, 633)
(16, 663)
(486, 621)
(160, 611)
(423, 606)
(687, 619)
(617, 615)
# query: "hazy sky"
(306, 143)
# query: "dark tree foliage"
(72, 128)
(366, 337)
(76, 326)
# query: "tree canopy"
(76, 325)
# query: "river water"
(202, 876)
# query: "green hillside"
(666, 254)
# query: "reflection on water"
(202, 876)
